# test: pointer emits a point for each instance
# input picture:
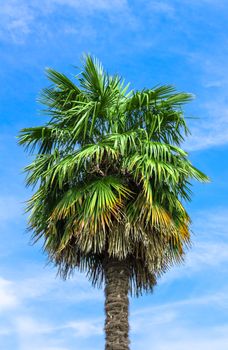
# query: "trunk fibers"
(116, 305)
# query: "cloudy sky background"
(148, 42)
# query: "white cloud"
(211, 129)
(21, 18)
(180, 325)
(16, 18)
(91, 5)
(22, 291)
(178, 337)
(205, 255)
(18, 307)
(161, 7)
(203, 139)
(45, 286)
(143, 320)
(194, 3)
(167, 312)
(8, 296)
(86, 328)
(38, 334)
(27, 325)
(210, 241)
(34, 333)
(212, 224)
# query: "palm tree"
(110, 180)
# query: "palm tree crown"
(110, 176)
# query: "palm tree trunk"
(116, 305)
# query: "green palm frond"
(45, 138)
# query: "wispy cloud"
(90, 5)
(27, 325)
(8, 296)
(16, 18)
(25, 289)
(20, 19)
(218, 299)
(35, 333)
(86, 328)
(178, 337)
(19, 298)
(175, 325)
(212, 130)
(162, 7)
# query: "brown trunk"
(116, 305)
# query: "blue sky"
(182, 42)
